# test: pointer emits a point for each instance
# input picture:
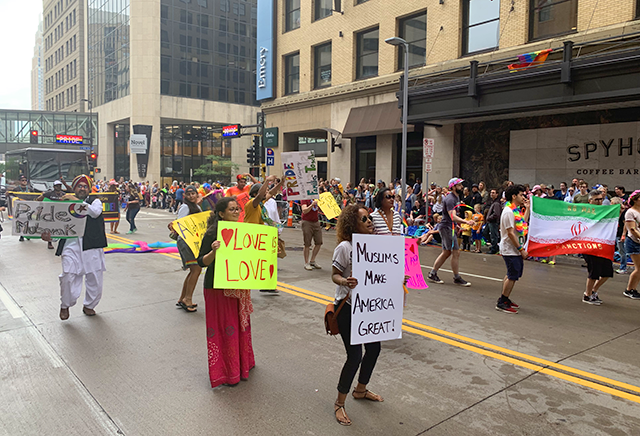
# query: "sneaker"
(553, 262)
(633, 294)
(462, 282)
(597, 298)
(433, 276)
(506, 307)
(130, 232)
(315, 265)
(543, 261)
(621, 271)
(21, 239)
(308, 267)
(590, 300)
(270, 291)
(512, 304)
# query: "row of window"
(57, 10)
(413, 29)
(70, 20)
(63, 99)
(321, 9)
(71, 45)
(58, 79)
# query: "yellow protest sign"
(328, 205)
(247, 257)
(192, 228)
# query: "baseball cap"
(535, 188)
(475, 185)
(380, 181)
(453, 182)
(57, 182)
(240, 177)
(22, 177)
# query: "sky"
(18, 26)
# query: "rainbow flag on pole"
(531, 59)
(556, 227)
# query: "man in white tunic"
(83, 257)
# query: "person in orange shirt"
(476, 232)
(242, 186)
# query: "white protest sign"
(377, 301)
(300, 175)
(138, 144)
(63, 219)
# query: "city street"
(559, 367)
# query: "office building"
(175, 71)
(327, 81)
(37, 72)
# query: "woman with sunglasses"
(227, 310)
(386, 221)
(353, 219)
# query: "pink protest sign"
(412, 265)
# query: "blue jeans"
(131, 216)
(623, 254)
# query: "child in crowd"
(465, 231)
(434, 231)
(476, 232)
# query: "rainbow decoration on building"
(531, 59)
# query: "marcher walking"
(632, 243)
(600, 269)
(227, 311)
(133, 207)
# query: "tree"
(2, 167)
(217, 168)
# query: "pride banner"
(300, 174)
(247, 257)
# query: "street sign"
(427, 167)
(271, 137)
(66, 139)
(270, 152)
(85, 148)
(232, 131)
(428, 145)
(270, 161)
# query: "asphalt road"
(140, 368)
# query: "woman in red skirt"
(227, 310)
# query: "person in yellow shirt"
(476, 232)
(465, 230)
(259, 193)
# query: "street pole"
(405, 113)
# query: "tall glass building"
(177, 70)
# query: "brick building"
(331, 80)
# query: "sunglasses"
(365, 218)
(388, 197)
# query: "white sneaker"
(621, 271)
(308, 267)
(315, 265)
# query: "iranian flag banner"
(556, 227)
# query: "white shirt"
(77, 261)
(271, 206)
(380, 226)
(342, 262)
(507, 221)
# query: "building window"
(367, 54)
(322, 66)
(292, 74)
(414, 30)
(322, 9)
(549, 18)
(481, 22)
(361, 1)
(292, 13)
(637, 8)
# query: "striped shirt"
(380, 223)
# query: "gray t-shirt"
(342, 262)
(634, 216)
(449, 204)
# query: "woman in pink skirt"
(227, 310)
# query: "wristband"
(520, 248)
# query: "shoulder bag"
(331, 318)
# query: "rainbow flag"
(531, 59)
(556, 227)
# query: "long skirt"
(230, 349)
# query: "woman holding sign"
(354, 219)
(227, 310)
(190, 206)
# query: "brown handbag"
(331, 318)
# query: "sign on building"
(68, 139)
(265, 50)
(138, 144)
(271, 137)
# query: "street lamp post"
(90, 121)
(405, 112)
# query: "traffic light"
(260, 157)
(33, 136)
(93, 161)
(252, 157)
(204, 134)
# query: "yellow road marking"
(544, 366)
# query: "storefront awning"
(377, 119)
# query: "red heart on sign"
(271, 270)
(227, 234)
(412, 248)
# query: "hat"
(372, 186)
(453, 182)
(475, 185)
(81, 178)
(57, 182)
(190, 188)
(337, 180)
(240, 177)
(254, 189)
(22, 176)
(536, 188)
(380, 181)
(112, 182)
(433, 183)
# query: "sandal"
(189, 309)
(179, 304)
(367, 395)
(345, 419)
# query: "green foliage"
(216, 168)
(2, 167)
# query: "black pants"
(494, 231)
(466, 242)
(354, 354)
